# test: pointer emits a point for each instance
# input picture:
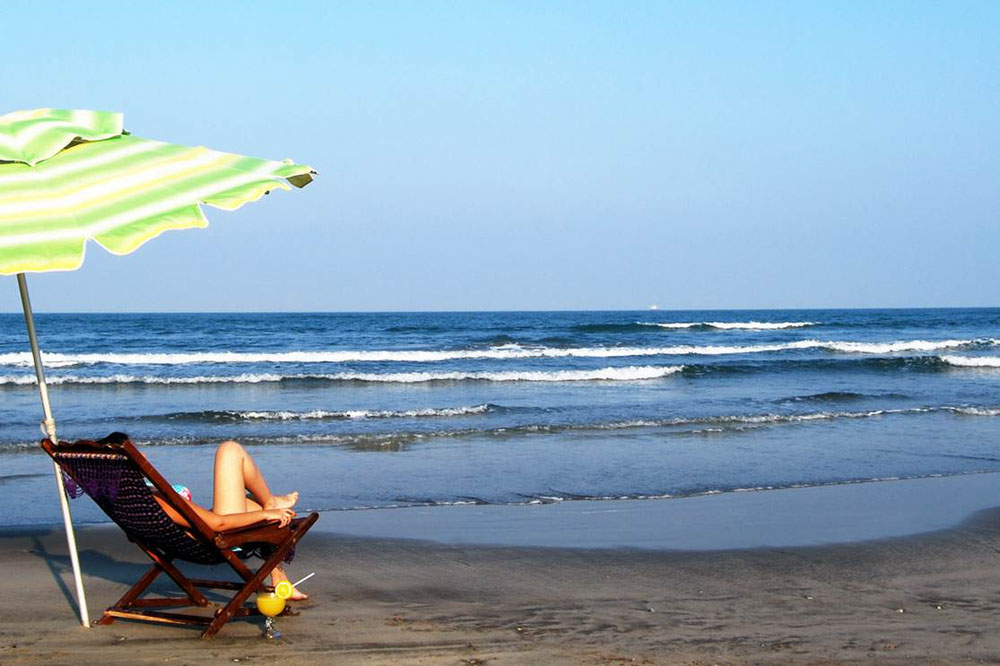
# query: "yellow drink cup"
(270, 604)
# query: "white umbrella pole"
(50, 429)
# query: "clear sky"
(545, 155)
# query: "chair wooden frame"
(133, 606)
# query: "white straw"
(304, 579)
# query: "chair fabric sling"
(114, 475)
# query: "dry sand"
(931, 598)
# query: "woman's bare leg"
(235, 474)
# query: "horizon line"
(538, 310)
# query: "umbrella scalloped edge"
(120, 192)
(68, 254)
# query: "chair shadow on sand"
(97, 564)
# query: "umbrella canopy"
(70, 176)
(67, 177)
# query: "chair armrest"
(259, 533)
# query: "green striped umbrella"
(67, 177)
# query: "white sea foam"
(18, 380)
(975, 411)
(731, 325)
(824, 416)
(738, 421)
(757, 419)
(361, 413)
(246, 378)
(902, 346)
(972, 361)
(630, 373)
(24, 360)
(700, 425)
(513, 352)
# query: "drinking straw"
(304, 579)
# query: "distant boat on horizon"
(654, 307)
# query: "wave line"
(509, 351)
(630, 373)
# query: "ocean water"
(399, 409)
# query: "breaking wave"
(321, 414)
(630, 373)
(760, 419)
(731, 325)
(748, 366)
(508, 351)
(679, 426)
(738, 421)
(972, 361)
(975, 411)
(683, 426)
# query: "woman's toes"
(284, 501)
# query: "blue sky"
(546, 155)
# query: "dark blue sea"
(401, 409)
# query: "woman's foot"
(283, 501)
(278, 575)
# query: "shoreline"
(735, 520)
(728, 520)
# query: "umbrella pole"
(49, 424)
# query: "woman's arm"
(230, 521)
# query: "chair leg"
(227, 612)
(182, 581)
(133, 593)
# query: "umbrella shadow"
(51, 562)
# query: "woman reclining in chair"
(235, 474)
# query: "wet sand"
(812, 516)
(932, 597)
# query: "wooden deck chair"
(114, 476)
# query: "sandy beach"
(924, 598)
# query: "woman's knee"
(230, 449)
